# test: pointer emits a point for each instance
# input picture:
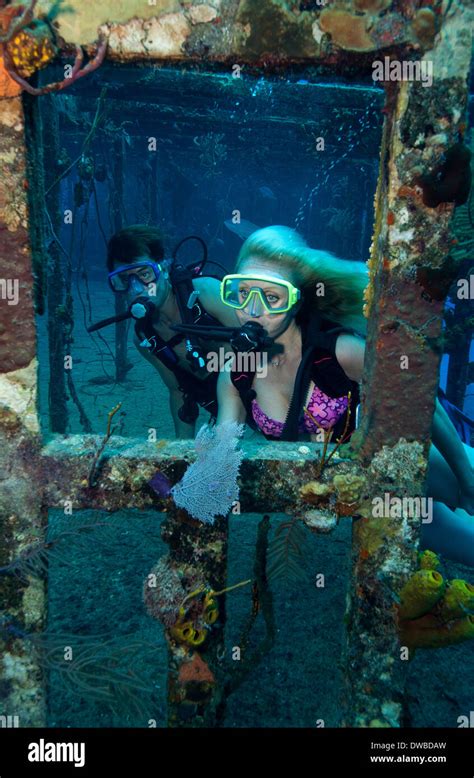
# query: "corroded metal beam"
(20, 501)
(270, 477)
(411, 275)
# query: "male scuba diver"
(161, 293)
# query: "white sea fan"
(209, 486)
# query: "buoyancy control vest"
(318, 364)
(198, 387)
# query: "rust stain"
(8, 87)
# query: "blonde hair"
(344, 280)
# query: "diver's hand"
(466, 497)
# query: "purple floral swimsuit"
(326, 410)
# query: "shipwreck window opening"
(211, 158)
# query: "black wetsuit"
(318, 364)
(198, 388)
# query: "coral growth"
(320, 519)
(198, 616)
(349, 487)
(28, 45)
(429, 632)
(346, 30)
(428, 560)
(196, 670)
(163, 592)
(458, 600)
(346, 494)
(185, 606)
(100, 669)
(185, 632)
(193, 686)
(209, 486)
(402, 464)
(285, 553)
(315, 492)
(389, 30)
(31, 50)
(370, 28)
(95, 466)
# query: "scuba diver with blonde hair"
(310, 303)
(276, 282)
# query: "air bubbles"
(354, 135)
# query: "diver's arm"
(350, 352)
(450, 446)
(182, 430)
(350, 355)
(230, 406)
(210, 296)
